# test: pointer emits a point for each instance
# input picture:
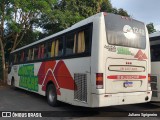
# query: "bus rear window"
(125, 32)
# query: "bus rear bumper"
(120, 98)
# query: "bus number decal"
(138, 31)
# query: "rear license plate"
(128, 84)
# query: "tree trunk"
(15, 41)
(3, 61)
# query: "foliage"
(68, 12)
(151, 28)
(121, 12)
(17, 18)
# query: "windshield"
(124, 31)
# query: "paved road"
(20, 100)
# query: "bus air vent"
(80, 92)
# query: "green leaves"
(65, 13)
(151, 28)
(14, 27)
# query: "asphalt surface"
(21, 101)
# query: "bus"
(103, 60)
(155, 64)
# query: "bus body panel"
(66, 89)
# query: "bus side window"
(45, 51)
(22, 56)
(39, 51)
(29, 54)
(42, 51)
(59, 47)
(26, 56)
(87, 39)
(15, 58)
(70, 44)
(32, 57)
(35, 56)
(56, 48)
(53, 49)
(18, 57)
(83, 41)
(49, 49)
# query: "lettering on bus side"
(27, 78)
(110, 48)
(123, 51)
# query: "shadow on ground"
(37, 102)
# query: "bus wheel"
(51, 95)
(13, 84)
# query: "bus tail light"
(104, 13)
(99, 80)
(149, 78)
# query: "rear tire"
(51, 95)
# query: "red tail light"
(104, 13)
(149, 78)
(99, 80)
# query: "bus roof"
(81, 23)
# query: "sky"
(146, 11)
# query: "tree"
(106, 6)
(151, 28)
(68, 12)
(16, 18)
(123, 12)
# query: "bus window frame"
(77, 55)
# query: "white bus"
(155, 65)
(103, 60)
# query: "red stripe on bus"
(58, 73)
(121, 77)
